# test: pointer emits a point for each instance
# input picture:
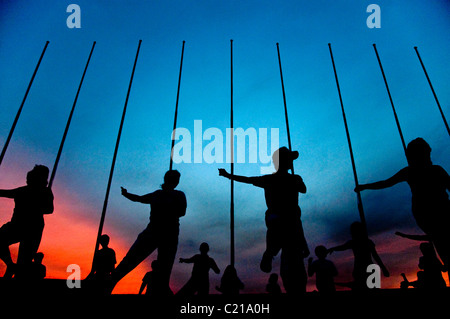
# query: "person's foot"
(266, 263)
(10, 271)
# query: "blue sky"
(303, 29)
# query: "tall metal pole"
(232, 254)
(432, 90)
(360, 206)
(105, 203)
(55, 166)
(11, 131)
(390, 99)
(176, 108)
(284, 100)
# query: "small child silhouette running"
(199, 281)
(324, 269)
(363, 251)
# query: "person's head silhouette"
(104, 240)
(427, 249)
(38, 176)
(418, 153)
(38, 257)
(321, 252)
(171, 180)
(204, 248)
(283, 159)
(273, 278)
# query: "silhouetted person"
(431, 266)
(430, 203)
(284, 226)
(32, 202)
(199, 281)
(272, 287)
(324, 269)
(104, 260)
(230, 284)
(363, 250)
(167, 206)
(150, 281)
(38, 270)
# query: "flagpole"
(432, 90)
(55, 166)
(176, 108)
(232, 244)
(11, 131)
(390, 99)
(358, 194)
(284, 101)
(105, 204)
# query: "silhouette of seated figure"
(283, 219)
(272, 287)
(429, 187)
(363, 250)
(38, 270)
(324, 269)
(104, 260)
(230, 284)
(150, 280)
(32, 202)
(199, 281)
(167, 206)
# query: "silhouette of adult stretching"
(199, 281)
(430, 203)
(284, 226)
(167, 206)
(27, 222)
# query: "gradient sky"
(303, 29)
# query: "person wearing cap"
(284, 226)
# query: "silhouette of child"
(284, 226)
(199, 281)
(104, 260)
(150, 280)
(230, 284)
(324, 269)
(430, 203)
(32, 202)
(167, 206)
(273, 288)
(363, 251)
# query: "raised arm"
(400, 176)
(237, 178)
(145, 199)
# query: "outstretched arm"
(343, 247)
(145, 199)
(414, 237)
(397, 178)
(8, 193)
(237, 178)
(187, 260)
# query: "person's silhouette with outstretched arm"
(32, 202)
(284, 226)
(429, 187)
(167, 206)
(199, 281)
(363, 251)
